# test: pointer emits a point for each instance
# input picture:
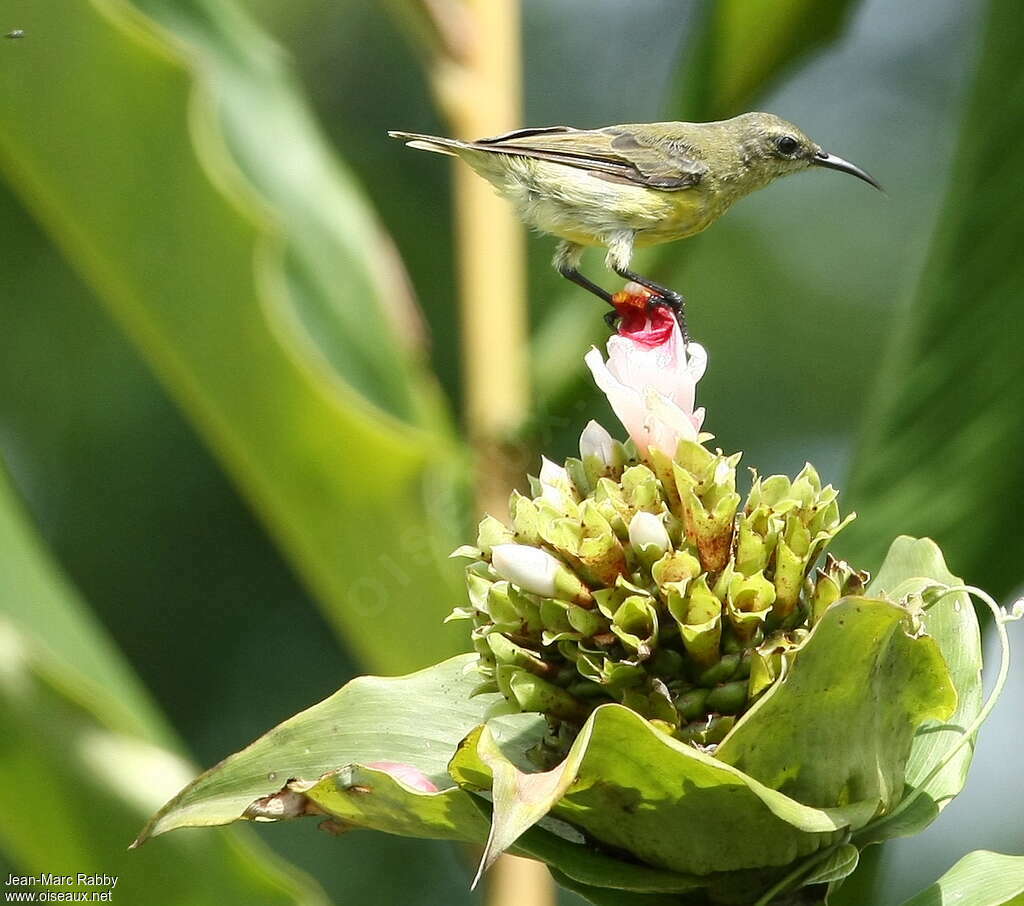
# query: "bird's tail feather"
(436, 143)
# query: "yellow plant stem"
(481, 95)
(478, 83)
(519, 882)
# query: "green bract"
(726, 734)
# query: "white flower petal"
(532, 569)
(596, 441)
(646, 528)
(652, 389)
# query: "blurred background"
(261, 366)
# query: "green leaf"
(743, 46)
(87, 754)
(360, 796)
(633, 788)
(603, 897)
(947, 419)
(416, 720)
(954, 626)
(837, 866)
(251, 279)
(839, 726)
(316, 763)
(980, 878)
(584, 865)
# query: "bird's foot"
(634, 304)
(676, 304)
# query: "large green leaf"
(85, 753)
(951, 621)
(334, 759)
(946, 424)
(980, 878)
(636, 789)
(848, 709)
(175, 206)
(416, 720)
(743, 46)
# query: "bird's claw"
(674, 303)
(611, 319)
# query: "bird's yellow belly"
(586, 209)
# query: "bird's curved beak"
(824, 159)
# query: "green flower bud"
(525, 518)
(729, 698)
(791, 563)
(749, 600)
(491, 532)
(677, 566)
(691, 704)
(636, 624)
(699, 615)
(600, 554)
(752, 543)
(508, 653)
(531, 693)
(837, 580)
(641, 489)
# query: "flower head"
(650, 377)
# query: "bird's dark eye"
(786, 144)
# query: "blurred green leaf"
(187, 247)
(744, 46)
(86, 753)
(946, 425)
(980, 878)
(609, 897)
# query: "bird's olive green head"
(770, 147)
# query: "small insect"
(17, 33)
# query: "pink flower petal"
(651, 378)
(406, 774)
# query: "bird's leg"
(620, 252)
(567, 263)
(665, 296)
(587, 284)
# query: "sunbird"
(634, 185)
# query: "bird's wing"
(630, 154)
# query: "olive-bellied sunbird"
(629, 186)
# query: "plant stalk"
(482, 96)
(477, 80)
